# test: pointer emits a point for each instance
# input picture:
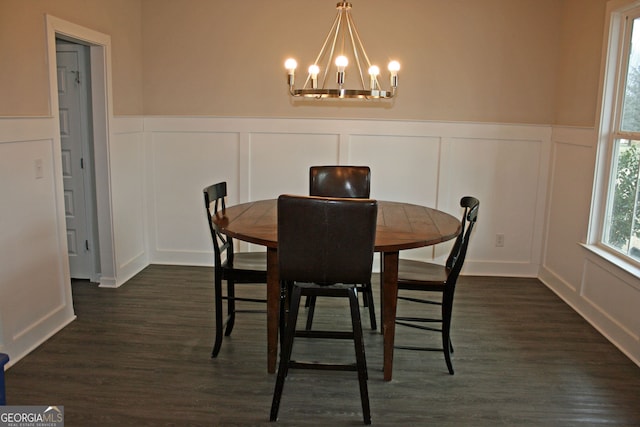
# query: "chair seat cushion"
(250, 261)
(416, 272)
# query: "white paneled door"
(76, 158)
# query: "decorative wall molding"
(431, 163)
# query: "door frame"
(102, 114)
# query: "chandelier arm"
(357, 37)
(328, 63)
(332, 31)
(336, 31)
(355, 43)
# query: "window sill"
(615, 260)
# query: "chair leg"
(446, 334)
(447, 349)
(361, 360)
(285, 354)
(283, 312)
(311, 304)
(231, 307)
(286, 292)
(218, 313)
(370, 304)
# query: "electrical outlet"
(38, 168)
(499, 240)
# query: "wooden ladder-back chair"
(440, 279)
(234, 267)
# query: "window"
(620, 137)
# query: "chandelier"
(343, 43)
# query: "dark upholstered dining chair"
(346, 182)
(234, 267)
(340, 181)
(325, 247)
(439, 279)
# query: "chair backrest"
(326, 240)
(214, 201)
(340, 181)
(454, 263)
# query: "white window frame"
(615, 58)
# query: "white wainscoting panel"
(570, 198)
(35, 288)
(181, 165)
(600, 284)
(505, 176)
(279, 162)
(127, 160)
(403, 168)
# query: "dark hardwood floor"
(140, 355)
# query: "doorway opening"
(96, 47)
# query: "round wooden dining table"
(399, 226)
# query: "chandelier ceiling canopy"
(343, 54)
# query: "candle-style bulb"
(290, 65)
(341, 63)
(374, 71)
(313, 73)
(394, 67)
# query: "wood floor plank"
(139, 355)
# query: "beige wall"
(462, 60)
(509, 61)
(24, 81)
(579, 67)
